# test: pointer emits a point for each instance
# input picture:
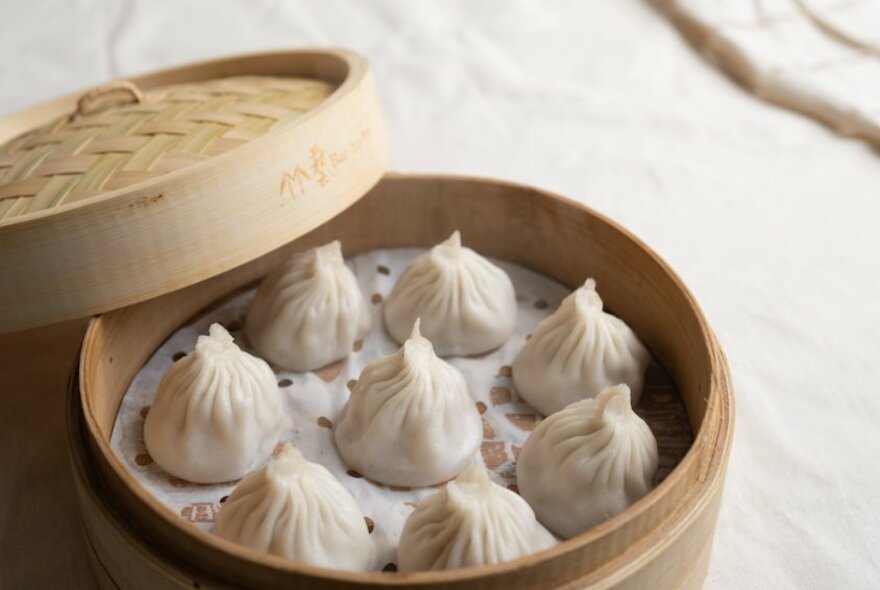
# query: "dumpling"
(588, 462)
(410, 420)
(296, 509)
(577, 352)
(472, 521)
(309, 312)
(217, 413)
(467, 304)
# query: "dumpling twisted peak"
(309, 312)
(577, 352)
(219, 343)
(588, 462)
(297, 509)
(410, 420)
(217, 412)
(472, 521)
(467, 304)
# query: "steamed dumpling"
(577, 352)
(217, 413)
(472, 521)
(297, 509)
(309, 312)
(467, 304)
(410, 420)
(588, 462)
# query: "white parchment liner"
(313, 401)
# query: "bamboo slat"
(113, 145)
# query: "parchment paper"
(313, 401)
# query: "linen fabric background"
(770, 218)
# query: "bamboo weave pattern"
(73, 158)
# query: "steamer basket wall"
(663, 541)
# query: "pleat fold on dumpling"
(217, 412)
(588, 462)
(410, 420)
(577, 352)
(297, 509)
(309, 312)
(472, 521)
(466, 303)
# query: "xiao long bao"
(577, 352)
(472, 521)
(309, 312)
(296, 509)
(467, 304)
(410, 420)
(588, 462)
(217, 412)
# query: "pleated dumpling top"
(588, 462)
(472, 521)
(577, 352)
(410, 420)
(296, 509)
(309, 312)
(466, 303)
(217, 412)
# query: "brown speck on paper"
(324, 422)
(376, 299)
(143, 459)
(500, 395)
(329, 373)
(494, 454)
(177, 482)
(505, 371)
(488, 431)
(524, 421)
(200, 512)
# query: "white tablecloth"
(771, 219)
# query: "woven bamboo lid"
(142, 187)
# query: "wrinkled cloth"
(818, 57)
(769, 217)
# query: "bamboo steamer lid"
(142, 187)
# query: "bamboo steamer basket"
(146, 186)
(663, 541)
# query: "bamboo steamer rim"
(712, 439)
(159, 235)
